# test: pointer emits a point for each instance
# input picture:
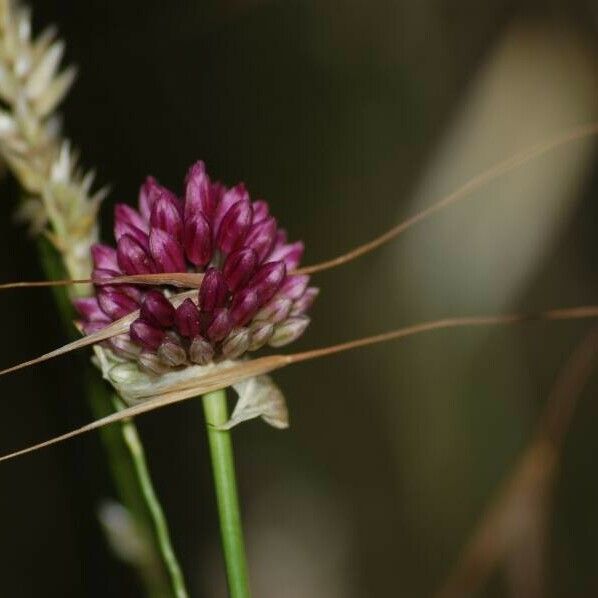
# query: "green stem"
(223, 467)
(133, 442)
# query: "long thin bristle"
(188, 280)
(473, 184)
(263, 365)
(44, 283)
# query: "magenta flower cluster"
(248, 297)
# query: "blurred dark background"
(346, 116)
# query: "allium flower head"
(249, 296)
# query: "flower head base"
(248, 296)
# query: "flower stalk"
(223, 468)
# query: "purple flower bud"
(124, 347)
(197, 239)
(220, 326)
(239, 267)
(128, 221)
(171, 351)
(122, 228)
(234, 226)
(133, 258)
(236, 343)
(146, 335)
(305, 301)
(166, 215)
(288, 331)
(261, 237)
(290, 254)
(104, 257)
(147, 196)
(201, 351)
(260, 211)
(125, 214)
(101, 277)
(115, 304)
(90, 310)
(187, 318)
(281, 238)
(260, 334)
(294, 286)
(157, 310)
(166, 251)
(276, 310)
(229, 198)
(213, 291)
(217, 191)
(199, 198)
(267, 280)
(245, 305)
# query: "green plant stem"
(126, 459)
(223, 467)
(133, 442)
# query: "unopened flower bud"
(187, 319)
(149, 192)
(123, 346)
(260, 211)
(261, 237)
(220, 326)
(236, 343)
(305, 301)
(152, 364)
(199, 198)
(123, 227)
(245, 305)
(133, 258)
(125, 214)
(172, 352)
(294, 286)
(166, 252)
(239, 267)
(276, 310)
(101, 277)
(166, 215)
(104, 257)
(157, 310)
(116, 304)
(197, 240)
(290, 254)
(146, 335)
(261, 331)
(213, 290)
(201, 351)
(229, 199)
(267, 280)
(234, 226)
(288, 331)
(90, 309)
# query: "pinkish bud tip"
(146, 335)
(187, 319)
